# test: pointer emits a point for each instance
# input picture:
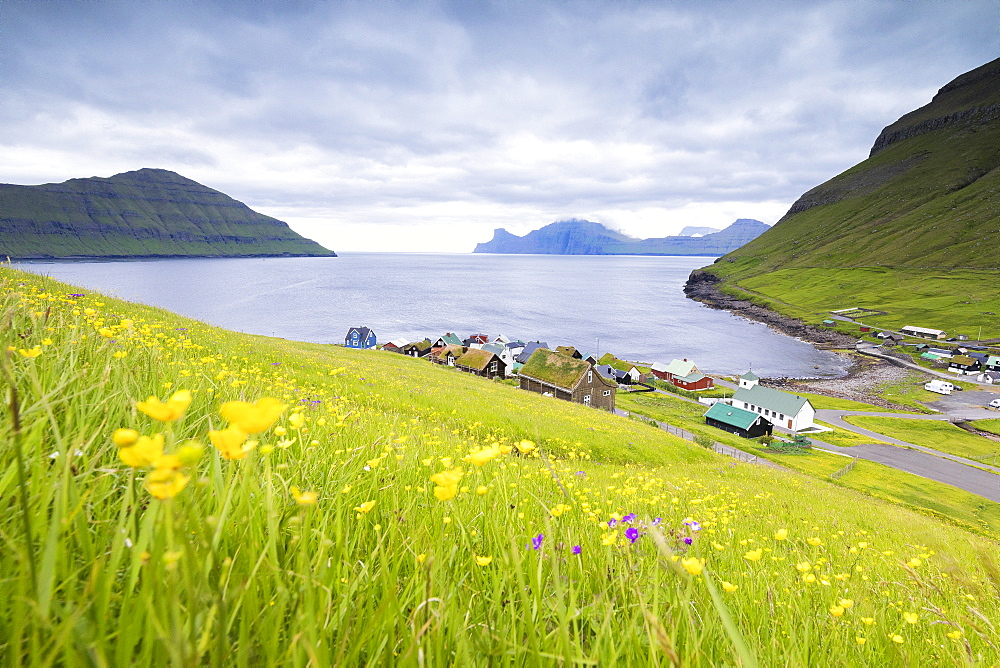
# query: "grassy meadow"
(935, 434)
(177, 494)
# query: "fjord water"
(629, 305)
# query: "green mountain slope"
(148, 212)
(922, 209)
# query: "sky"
(423, 125)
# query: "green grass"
(992, 426)
(844, 438)
(821, 401)
(243, 566)
(908, 392)
(935, 434)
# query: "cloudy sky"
(422, 126)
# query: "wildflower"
(911, 617)
(125, 437)
(781, 534)
(303, 498)
(868, 620)
(484, 561)
(170, 411)
(809, 578)
(295, 420)
(754, 555)
(165, 483)
(525, 447)
(632, 534)
(814, 541)
(421, 557)
(365, 507)
(628, 518)
(47, 342)
(447, 483)
(896, 638)
(860, 640)
(836, 610)
(144, 452)
(803, 567)
(693, 565)
(610, 538)
(482, 489)
(954, 635)
(483, 456)
(31, 353)
(536, 542)
(612, 522)
(695, 526)
(846, 603)
(252, 418)
(229, 442)
(577, 550)
(559, 509)
(729, 587)
(914, 562)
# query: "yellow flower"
(33, 352)
(559, 509)
(609, 538)
(809, 578)
(483, 456)
(860, 640)
(914, 562)
(47, 342)
(421, 557)
(526, 446)
(445, 492)
(229, 442)
(911, 617)
(693, 565)
(165, 483)
(781, 534)
(166, 412)
(365, 507)
(754, 555)
(868, 620)
(125, 437)
(484, 561)
(954, 635)
(836, 610)
(814, 541)
(144, 452)
(303, 498)
(845, 603)
(295, 420)
(803, 567)
(482, 489)
(729, 587)
(252, 418)
(896, 638)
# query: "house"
(679, 368)
(529, 350)
(659, 370)
(622, 377)
(963, 364)
(480, 338)
(991, 377)
(782, 409)
(359, 337)
(992, 363)
(694, 382)
(417, 348)
(569, 351)
(482, 363)
(606, 370)
(505, 354)
(737, 421)
(748, 380)
(548, 372)
(448, 339)
(448, 355)
(395, 346)
(591, 359)
(923, 332)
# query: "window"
(493, 366)
(586, 399)
(607, 393)
(590, 376)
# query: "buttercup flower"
(781, 534)
(144, 452)
(693, 565)
(729, 587)
(170, 411)
(365, 507)
(165, 483)
(252, 418)
(304, 498)
(229, 442)
(754, 555)
(123, 438)
(484, 561)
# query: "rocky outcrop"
(703, 286)
(969, 117)
(144, 213)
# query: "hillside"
(582, 237)
(388, 511)
(921, 212)
(143, 213)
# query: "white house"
(748, 380)
(782, 409)
(923, 332)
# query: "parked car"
(995, 403)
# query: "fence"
(689, 436)
(844, 471)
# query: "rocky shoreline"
(703, 286)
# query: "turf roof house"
(481, 362)
(360, 337)
(737, 421)
(781, 409)
(965, 365)
(505, 354)
(548, 372)
(447, 355)
(417, 348)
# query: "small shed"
(737, 421)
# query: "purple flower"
(695, 526)
(612, 522)
(628, 518)
(657, 521)
(632, 534)
(536, 542)
(577, 549)
(688, 540)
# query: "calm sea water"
(631, 306)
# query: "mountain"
(913, 230)
(582, 237)
(691, 231)
(143, 213)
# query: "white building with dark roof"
(781, 409)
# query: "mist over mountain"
(583, 237)
(142, 213)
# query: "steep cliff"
(143, 213)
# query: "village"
(566, 373)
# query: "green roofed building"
(782, 409)
(548, 372)
(483, 363)
(737, 421)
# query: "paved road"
(873, 350)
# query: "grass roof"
(551, 367)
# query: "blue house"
(359, 337)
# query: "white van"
(939, 386)
(995, 403)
